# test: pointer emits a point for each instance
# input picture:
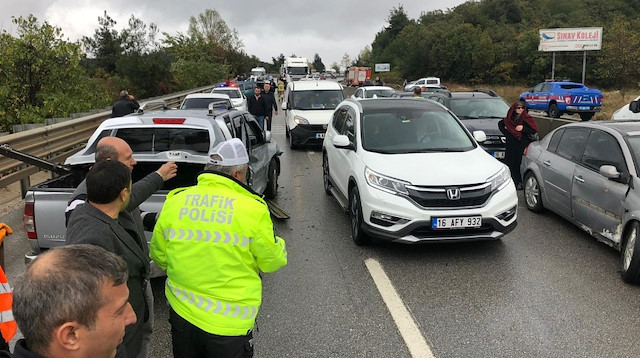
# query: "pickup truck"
(557, 98)
(183, 136)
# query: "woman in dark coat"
(518, 124)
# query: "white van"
(308, 107)
(628, 111)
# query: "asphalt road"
(545, 290)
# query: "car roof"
(376, 88)
(315, 85)
(375, 104)
(480, 93)
(207, 95)
(226, 88)
(624, 127)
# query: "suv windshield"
(297, 70)
(232, 93)
(413, 131)
(379, 93)
(474, 108)
(203, 103)
(317, 99)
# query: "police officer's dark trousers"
(190, 341)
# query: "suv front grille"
(436, 197)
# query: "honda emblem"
(453, 194)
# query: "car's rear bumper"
(583, 109)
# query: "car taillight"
(28, 221)
(567, 99)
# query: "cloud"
(267, 29)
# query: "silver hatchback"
(588, 174)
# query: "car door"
(557, 167)
(258, 149)
(337, 122)
(597, 200)
(532, 98)
(344, 155)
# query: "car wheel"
(586, 116)
(629, 255)
(554, 112)
(355, 214)
(532, 193)
(325, 174)
(272, 183)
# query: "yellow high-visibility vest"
(213, 239)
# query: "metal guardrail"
(58, 141)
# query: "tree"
(317, 63)
(105, 46)
(335, 66)
(618, 60)
(364, 57)
(346, 61)
(41, 75)
(210, 28)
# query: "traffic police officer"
(213, 239)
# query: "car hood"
(322, 116)
(488, 125)
(435, 169)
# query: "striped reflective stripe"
(5, 288)
(207, 236)
(213, 306)
(6, 316)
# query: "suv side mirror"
(479, 136)
(283, 105)
(634, 107)
(343, 142)
(267, 136)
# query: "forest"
(487, 42)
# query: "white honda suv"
(407, 170)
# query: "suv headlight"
(385, 183)
(300, 120)
(499, 178)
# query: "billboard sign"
(382, 67)
(574, 39)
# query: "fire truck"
(357, 76)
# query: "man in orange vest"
(8, 325)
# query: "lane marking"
(409, 331)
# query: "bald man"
(131, 219)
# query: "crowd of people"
(92, 297)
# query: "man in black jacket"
(96, 223)
(257, 106)
(116, 149)
(125, 105)
(271, 105)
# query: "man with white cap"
(213, 239)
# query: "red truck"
(357, 76)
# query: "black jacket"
(257, 106)
(88, 225)
(20, 351)
(270, 103)
(123, 107)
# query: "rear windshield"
(475, 108)
(160, 139)
(571, 86)
(203, 103)
(379, 93)
(232, 93)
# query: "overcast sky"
(267, 28)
